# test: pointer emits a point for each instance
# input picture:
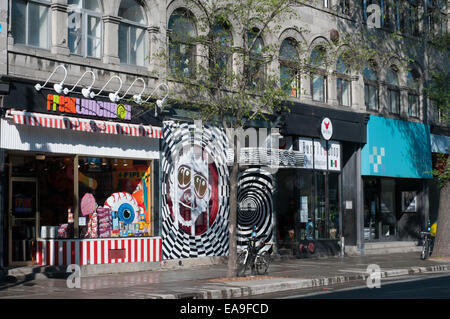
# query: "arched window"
(371, 96)
(393, 90)
(221, 52)
(318, 75)
(30, 23)
(132, 33)
(85, 28)
(343, 83)
(413, 84)
(289, 75)
(409, 17)
(182, 34)
(256, 65)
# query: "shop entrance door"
(23, 220)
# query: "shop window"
(30, 23)
(393, 91)
(318, 76)
(85, 27)
(120, 190)
(182, 34)
(132, 33)
(289, 75)
(343, 83)
(255, 68)
(371, 96)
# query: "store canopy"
(83, 125)
(396, 148)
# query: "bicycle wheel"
(425, 249)
(262, 263)
(242, 263)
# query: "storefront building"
(316, 202)
(396, 169)
(80, 179)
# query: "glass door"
(23, 220)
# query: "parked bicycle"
(256, 256)
(428, 241)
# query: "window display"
(116, 197)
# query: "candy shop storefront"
(80, 183)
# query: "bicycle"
(255, 256)
(428, 241)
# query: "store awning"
(83, 125)
(440, 144)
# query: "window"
(318, 76)
(413, 83)
(344, 6)
(393, 91)
(132, 33)
(437, 16)
(221, 53)
(289, 75)
(181, 43)
(85, 27)
(409, 17)
(256, 65)
(30, 23)
(371, 96)
(343, 83)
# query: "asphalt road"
(430, 286)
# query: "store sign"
(80, 106)
(326, 128)
(305, 146)
(334, 156)
(320, 154)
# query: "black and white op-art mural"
(195, 191)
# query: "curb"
(237, 290)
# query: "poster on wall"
(320, 154)
(305, 145)
(303, 209)
(409, 202)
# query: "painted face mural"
(194, 191)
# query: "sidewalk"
(209, 282)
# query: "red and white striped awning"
(83, 125)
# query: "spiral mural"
(255, 191)
(195, 191)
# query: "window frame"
(341, 78)
(372, 84)
(176, 43)
(393, 90)
(318, 70)
(414, 93)
(290, 65)
(259, 60)
(227, 50)
(85, 13)
(46, 3)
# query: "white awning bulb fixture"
(58, 87)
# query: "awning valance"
(82, 124)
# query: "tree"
(439, 92)
(228, 85)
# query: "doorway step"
(382, 248)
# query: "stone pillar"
(331, 90)
(111, 40)
(156, 51)
(59, 29)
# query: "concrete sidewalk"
(208, 282)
